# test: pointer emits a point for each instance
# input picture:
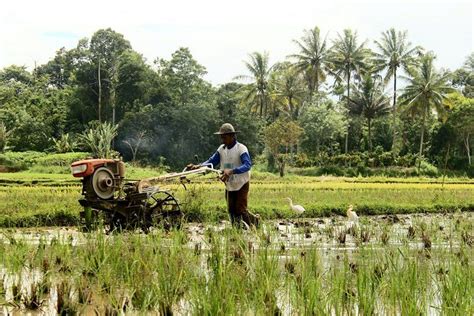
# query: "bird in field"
(296, 208)
(352, 215)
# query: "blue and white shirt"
(237, 158)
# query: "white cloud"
(220, 34)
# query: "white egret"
(296, 208)
(352, 215)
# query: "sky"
(221, 34)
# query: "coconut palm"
(369, 101)
(312, 59)
(394, 52)
(287, 88)
(256, 94)
(347, 58)
(426, 91)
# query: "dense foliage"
(347, 99)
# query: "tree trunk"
(316, 83)
(113, 93)
(282, 169)
(310, 84)
(100, 94)
(468, 148)
(316, 88)
(293, 113)
(394, 130)
(346, 146)
(446, 163)
(369, 122)
(422, 132)
(112, 103)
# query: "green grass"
(51, 199)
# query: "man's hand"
(191, 166)
(226, 175)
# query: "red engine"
(101, 177)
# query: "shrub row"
(17, 161)
(375, 159)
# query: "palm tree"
(394, 51)
(313, 59)
(348, 57)
(369, 101)
(426, 91)
(256, 94)
(287, 88)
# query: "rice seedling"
(368, 280)
(456, 290)
(385, 235)
(406, 284)
(228, 271)
(342, 292)
(341, 237)
(66, 305)
(306, 286)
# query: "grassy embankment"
(34, 199)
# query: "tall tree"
(279, 137)
(182, 76)
(369, 101)
(461, 119)
(287, 89)
(106, 47)
(463, 78)
(131, 83)
(426, 91)
(59, 69)
(256, 94)
(312, 59)
(228, 101)
(323, 127)
(394, 52)
(348, 57)
(17, 74)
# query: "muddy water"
(319, 233)
(332, 237)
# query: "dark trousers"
(237, 207)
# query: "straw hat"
(226, 128)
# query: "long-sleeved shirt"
(237, 158)
(246, 165)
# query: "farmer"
(234, 160)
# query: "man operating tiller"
(235, 164)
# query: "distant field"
(29, 199)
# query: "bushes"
(61, 160)
(392, 171)
(353, 164)
(27, 158)
(40, 162)
(30, 158)
(17, 161)
(425, 168)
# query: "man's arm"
(215, 159)
(246, 164)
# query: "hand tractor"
(129, 204)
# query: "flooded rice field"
(389, 264)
